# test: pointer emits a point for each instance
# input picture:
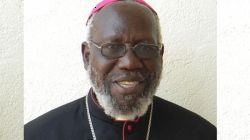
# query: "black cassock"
(70, 122)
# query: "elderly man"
(123, 56)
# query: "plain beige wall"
(11, 70)
(54, 73)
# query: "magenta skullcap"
(106, 2)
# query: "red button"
(130, 128)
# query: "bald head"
(120, 21)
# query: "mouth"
(128, 87)
(128, 84)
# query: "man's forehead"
(126, 20)
(105, 3)
(124, 13)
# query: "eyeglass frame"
(159, 47)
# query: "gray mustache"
(127, 75)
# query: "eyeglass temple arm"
(96, 45)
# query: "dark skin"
(127, 23)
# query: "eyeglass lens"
(143, 51)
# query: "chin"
(118, 102)
(129, 107)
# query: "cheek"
(102, 65)
(153, 65)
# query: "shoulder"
(61, 119)
(178, 119)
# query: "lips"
(128, 84)
(127, 87)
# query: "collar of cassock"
(97, 111)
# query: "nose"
(130, 61)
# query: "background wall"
(11, 69)
(54, 72)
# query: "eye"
(146, 51)
(113, 47)
(113, 50)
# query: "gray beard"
(135, 105)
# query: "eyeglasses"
(117, 50)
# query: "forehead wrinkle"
(111, 19)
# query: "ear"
(85, 54)
(162, 50)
